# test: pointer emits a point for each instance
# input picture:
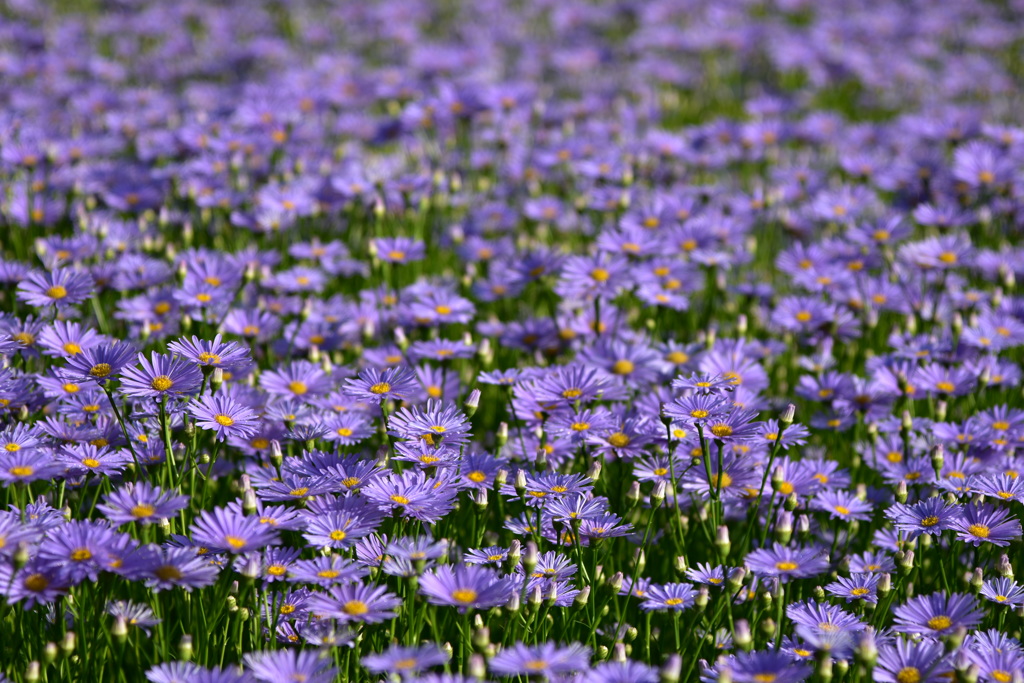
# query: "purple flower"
(1004, 591)
(786, 562)
(936, 615)
(671, 596)
(101, 363)
(987, 524)
(227, 530)
(905, 661)
(930, 516)
(768, 665)
(141, 502)
(61, 288)
(308, 666)
(212, 354)
(465, 587)
(376, 386)
(842, 505)
(856, 587)
(405, 660)
(545, 659)
(355, 602)
(223, 415)
(160, 376)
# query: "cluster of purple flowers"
(381, 339)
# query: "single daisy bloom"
(786, 562)
(307, 666)
(466, 587)
(842, 505)
(987, 524)
(937, 615)
(931, 516)
(61, 288)
(141, 502)
(159, 376)
(671, 596)
(222, 529)
(906, 661)
(355, 602)
(102, 362)
(212, 354)
(379, 386)
(1003, 591)
(546, 659)
(856, 587)
(405, 660)
(225, 416)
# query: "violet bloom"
(377, 386)
(160, 376)
(61, 288)
(222, 529)
(786, 563)
(141, 502)
(987, 524)
(466, 587)
(355, 602)
(937, 615)
(904, 661)
(307, 666)
(545, 659)
(212, 354)
(224, 416)
(405, 660)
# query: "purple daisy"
(307, 666)
(160, 376)
(102, 362)
(212, 354)
(355, 602)
(405, 660)
(904, 661)
(546, 659)
(378, 386)
(787, 563)
(61, 288)
(223, 529)
(141, 502)
(936, 615)
(466, 587)
(987, 524)
(224, 415)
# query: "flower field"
(601, 342)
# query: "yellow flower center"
(464, 595)
(786, 566)
(223, 420)
(940, 622)
(100, 370)
(355, 607)
(235, 541)
(143, 510)
(623, 367)
(36, 583)
(161, 383)
(81, 555)
(979, 530)
(380, 388)
(56, 292)
(298, 388)
(338, 535)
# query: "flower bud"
(32, 672)
(615, 581)
(901, 492)
(530, 558)
(477, 667)
(767, 626)
(471, 403)
(741, 635)
(787, 416)
(582, 598)
(977, 579)
(905, 562)
(1004, 569)
(594, 473)
(722, 542)
(50, 653)
(658, 495)
(185, 648)
(501, 436)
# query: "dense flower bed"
(667, 340)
